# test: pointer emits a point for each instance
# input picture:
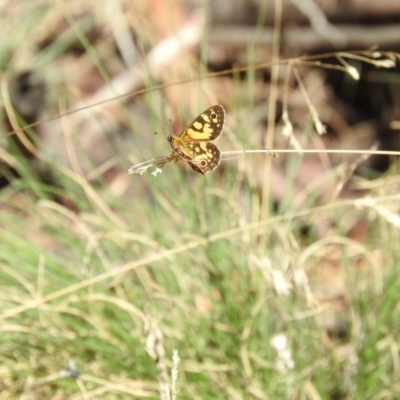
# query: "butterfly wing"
(207, 126)
(208, 157)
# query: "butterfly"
(194, 143)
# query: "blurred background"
(272, 277)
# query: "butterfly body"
(194, 143)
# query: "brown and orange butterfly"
(194, 143)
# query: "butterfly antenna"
(170, 125)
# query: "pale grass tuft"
(384, 212)
(352, 71)
(284, 360)
(143, 167)
(174, 374)
(370, 58)
(157, 171)
(71, 371)
(159, 162)
(318, 125)
(274, 276)
(300, 279)
(165, 393)
(140, 168)
(155, 348)
(139, 171)
(376, 54)
(385, 63)
(170, 392)
(287, 129)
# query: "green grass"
(210, 301)
(117, 282)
